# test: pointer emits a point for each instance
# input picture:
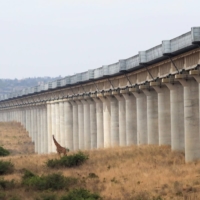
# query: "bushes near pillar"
(6, 167)
(4, 152)
(68, 161)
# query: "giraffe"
(59, 148)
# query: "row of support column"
(163, 112)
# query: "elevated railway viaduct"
(150, 98)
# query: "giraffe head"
(67, 149)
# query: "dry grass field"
(128, 173)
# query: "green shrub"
(4, 152)
(68, 161)
(27, 174)
(4, 184)
(48, 197)
(15, 198)
(6, 167)
(55, 181)
(80, 194)
(92, 175)
(2, 195)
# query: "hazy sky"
(63, 37)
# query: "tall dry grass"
(125, 173)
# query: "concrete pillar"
(75, 125)
(38, 134)
(61, 123)
(42, 129)
(16, 114)
(191, 119)
(106, 119)
(122, 119)
(80, 124)
(86, 119)
(53, 125)
(164, 116)
(68, 125)
(29, 121)
(141, 103)
(24, 117)
(177, 116)
(45, 129)
(93, 123)
(99, 121)
(32, 123)
(131, 117)
(44, 141)
(19, 116)
(11, 110)
(57, 122)
(49, 127)
(12, 114)
(35, 125)
(152, 114)
(114, 116)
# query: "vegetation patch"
(55, 181)
(47, 197)
(68, 161)
(4, 184)
(15, 198)
(6, 167)
(92, 175)
(4, 152)
(81, 194)
(2, 195)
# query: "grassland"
(128, 173)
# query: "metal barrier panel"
(105, 70)
(65, 81)
(56, 84)
(195, 34)
(36, 88)
(73, 79)
(113, 68)
(91, 74)
(154, 53)
(181, 42)
(78, 78)
(85, 76)
(98, 72)
(132, 62)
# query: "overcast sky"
(63, 37)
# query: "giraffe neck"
(55, 142)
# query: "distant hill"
(10, 85)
